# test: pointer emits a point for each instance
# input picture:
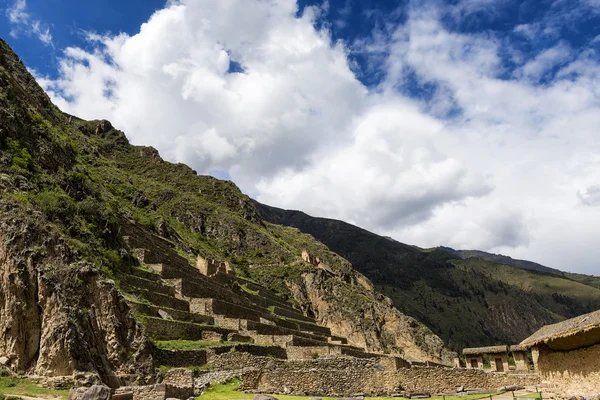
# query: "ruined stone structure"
(229, 316)
(498, 357)
(307, 257)
(519, 354)
(210, 267)
(567, 355)
(246, 330)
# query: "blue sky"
(467, 123)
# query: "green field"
(23, 387)
(229, 391)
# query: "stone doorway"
(499, 365)
(474, 364)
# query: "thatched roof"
(485, 350)
(517, 348)
(565, 330)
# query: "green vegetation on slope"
(466, 302)
(562, 296)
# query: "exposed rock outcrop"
(59, 316)
(368, 319)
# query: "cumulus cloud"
(18, 16)
(252, 89)
(590, 196)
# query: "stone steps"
(358, 353)
(164, 329)
(264, 329)
(189, 287)
(179, 315)
(286, 340)
(151, 285)
(191, 283)
(266, 304)
(157, 299)
(309, 327)
(142, 273)
(224, 309)
(293, 314)
(211, 306)
(264, 298)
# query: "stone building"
(567, 355)
(520, 356)
(498, 357)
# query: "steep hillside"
(466, 302)
(77, 201)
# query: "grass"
(24, 387)
(189, 344)
(532, 396)
(229, 391)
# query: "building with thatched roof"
(521, 357)
(567, 354)
(498, 357)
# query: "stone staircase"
(191, 317)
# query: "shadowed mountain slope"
(467, 302)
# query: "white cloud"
(590, 196)
(22, 21)
(297, 129)
(538, 142)
(545, 61)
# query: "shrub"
(20, 156)
(55, 204)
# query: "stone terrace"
(217, 314)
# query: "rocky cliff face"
(59, 316)
(367, 318)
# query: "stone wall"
(347, 376)
(176, 358)
(446, 380)
(570, 373)
(150, 392)
(333, 377)
(310, 352)
(236, 360)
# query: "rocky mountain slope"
(71, 194)
(467, 302)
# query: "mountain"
(467, 302)
(505, 260)
(102, 244)
(589, 280)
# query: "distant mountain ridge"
(468, 298)
(502, 259)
